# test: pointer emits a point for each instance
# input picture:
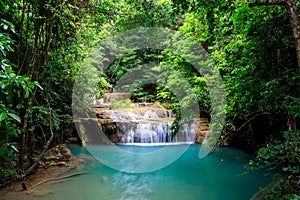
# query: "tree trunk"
(291, 8)
(40, 156)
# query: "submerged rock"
(104, 179)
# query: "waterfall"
(150, 114)
(149, 128)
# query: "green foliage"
(7, 172)
(104, 86)
(44, 44)
(284, 156)
(115, 104)
(39, 55)
(11, 88)
(254, 50)
(15, 92)
(135, 14)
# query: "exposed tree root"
(53, 179)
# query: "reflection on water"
(134, 187)
(216, 177)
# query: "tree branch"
(249, 120)
(32, 167)
(58, 178)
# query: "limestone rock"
(116, 96)
(121, 124)
(57, 154)
(201, 130)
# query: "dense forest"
(255, 45)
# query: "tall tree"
(292, 10)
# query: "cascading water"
(150, 128)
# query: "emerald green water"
(215, 177)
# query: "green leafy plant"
(16, 91)
(115, 104)
(283, 156)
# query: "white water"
(162, 144)
(150, 128)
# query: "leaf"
(15, 117)
(2, 116)
(31, 85)
(2, 50)
(38, 85)
(13, 148)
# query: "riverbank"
(33, 183)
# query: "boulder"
(58, 154)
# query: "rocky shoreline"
(61, 165)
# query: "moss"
(114, 104)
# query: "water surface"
(215, 177)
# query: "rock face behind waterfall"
(146, 123)
(202, 129)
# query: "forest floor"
(54, 174)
